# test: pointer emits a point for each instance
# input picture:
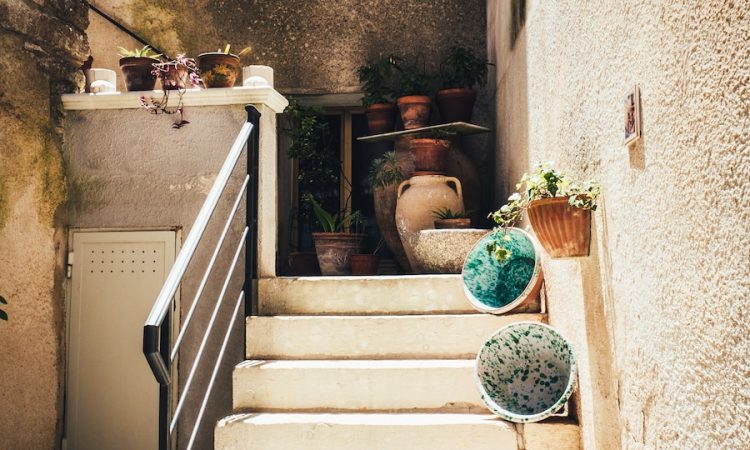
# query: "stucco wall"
(43, 43)
(158, 177)
(658, 305)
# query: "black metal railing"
(160, 354)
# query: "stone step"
(451, 336)
(356, 385)
(402, 294)
(267, 431)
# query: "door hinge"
(69, 269)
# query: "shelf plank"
(462, 128)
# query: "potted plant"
(365, 264)
(137, 68)
(375, 79)
(446, 218)
(385, 176)
(413, 94)
(429, 154)
(335, 244)
(461, 71)
(558, 208)
(175, 75)
(219, 68)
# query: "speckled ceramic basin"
(444, 251)
(498, 287)
(525, 372)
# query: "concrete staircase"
(372, 363)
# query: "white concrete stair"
(356, 385)
(445, 336)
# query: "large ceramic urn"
(418, 197)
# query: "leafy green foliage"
(385, 171)
(543, 182)
(447, 213)
(339, 222)
(377, 79)
(413, 78)
(145, 52)
(463, 69)
(3, 314)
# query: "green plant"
(413, 78)
(447, 213)
(385, 171)
(463, 69)
(242, 52)
(339, 222)
(3, 314)
(376, 79)
(145, 52)
(543, 182)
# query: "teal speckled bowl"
(498, 287)
(525, 372)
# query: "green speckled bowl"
(525, 372)
(496, 287)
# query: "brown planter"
(137, 73)
(380, 117)
(334, 249)
(455, 104)
(364, 264)
(429, 154)
(563, 230)
(303, 264)
(218, 69)
(452, 224)
(415, 111)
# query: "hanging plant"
(176, 75)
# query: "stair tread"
(366, 364)
(363, 418)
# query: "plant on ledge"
(376, 85)
(175, 75)
(219, 68)
(447, 218)
(460, 73)
(137, 68)
(559, 210)
(413, 90)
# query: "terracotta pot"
(218, 69)
(563, 230)
(364, 264)
(385, 215)
(452, 224)
(303, 264)
(177, 77)
(429, 154)
(417, 198)
(415, 111)
(380, 117)
(334, 249)
(455, 104)
(137, 73)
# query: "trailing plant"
(385, 171)
(413, 78)
(339, 222)
(165, 72)
(543, 182)
(463, 69)
(376, 78)
(145, 52)
(447, 213)
(3, 314)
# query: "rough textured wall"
(669, 268)
(43, 44)
(159, 178)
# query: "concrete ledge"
(453, 336)
(403, 294)
(356, 385)
(240, 95)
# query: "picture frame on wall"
(633, 115)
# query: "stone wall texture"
(43, 44)
(657, 310)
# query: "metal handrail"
(166, 295)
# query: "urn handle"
(457, 186)
(402, 187)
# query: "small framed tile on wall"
(633, 128)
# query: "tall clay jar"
(563, 230)
(418, 197)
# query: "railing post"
(251, 264)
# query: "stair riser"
(359, 337)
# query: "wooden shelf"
(461, 128)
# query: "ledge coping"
(240, 95)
